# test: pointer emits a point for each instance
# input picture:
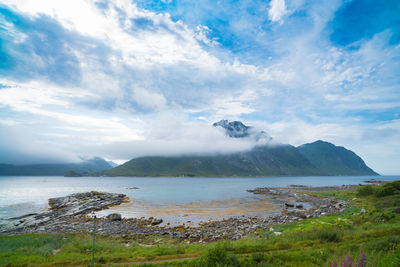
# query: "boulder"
(114, 217)
(156, 221)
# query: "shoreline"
(71, 214)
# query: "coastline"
(72, 214)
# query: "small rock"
(114, 217)
(277, 233)
(156, 221)
(302, 215)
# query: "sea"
(174, 199)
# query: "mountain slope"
(260, 161)
(91, 165)
(266, 159)
(334, 160)
(318, 158)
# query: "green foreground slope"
(366, 234)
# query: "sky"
(122, 79)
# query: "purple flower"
(362, 261)
(347, 262)
(334, 264)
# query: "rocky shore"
(72, 214)
(62, 210)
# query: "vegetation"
(366, 234)
(334, 160)
(319, 158)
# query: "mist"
(164, 136)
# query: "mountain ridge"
(95, 164)
(265, 160)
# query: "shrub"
(383, 216)
(329, 235)
(396, 184)
(218, 257)
(386, 190)
(257, 257)
(365, 190)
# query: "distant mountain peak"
(236, 129)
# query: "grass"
(370, 238)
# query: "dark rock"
(289, 205)
(23, 216)
(114, 217)
(156, 221)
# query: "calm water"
(20, 195)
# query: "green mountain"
(261, 161)
(334, 160)
(319, 158)
(88, 166)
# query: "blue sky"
(121, 79)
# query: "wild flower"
(362, 262)
(349, 262)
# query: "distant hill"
(279, 160)
(266, 159)
(334, 160)
(260, 161)
(87, 166)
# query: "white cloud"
(201, 34)
(149, 100)
(277, 10)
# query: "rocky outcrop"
(62, 208)
(236, 129)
